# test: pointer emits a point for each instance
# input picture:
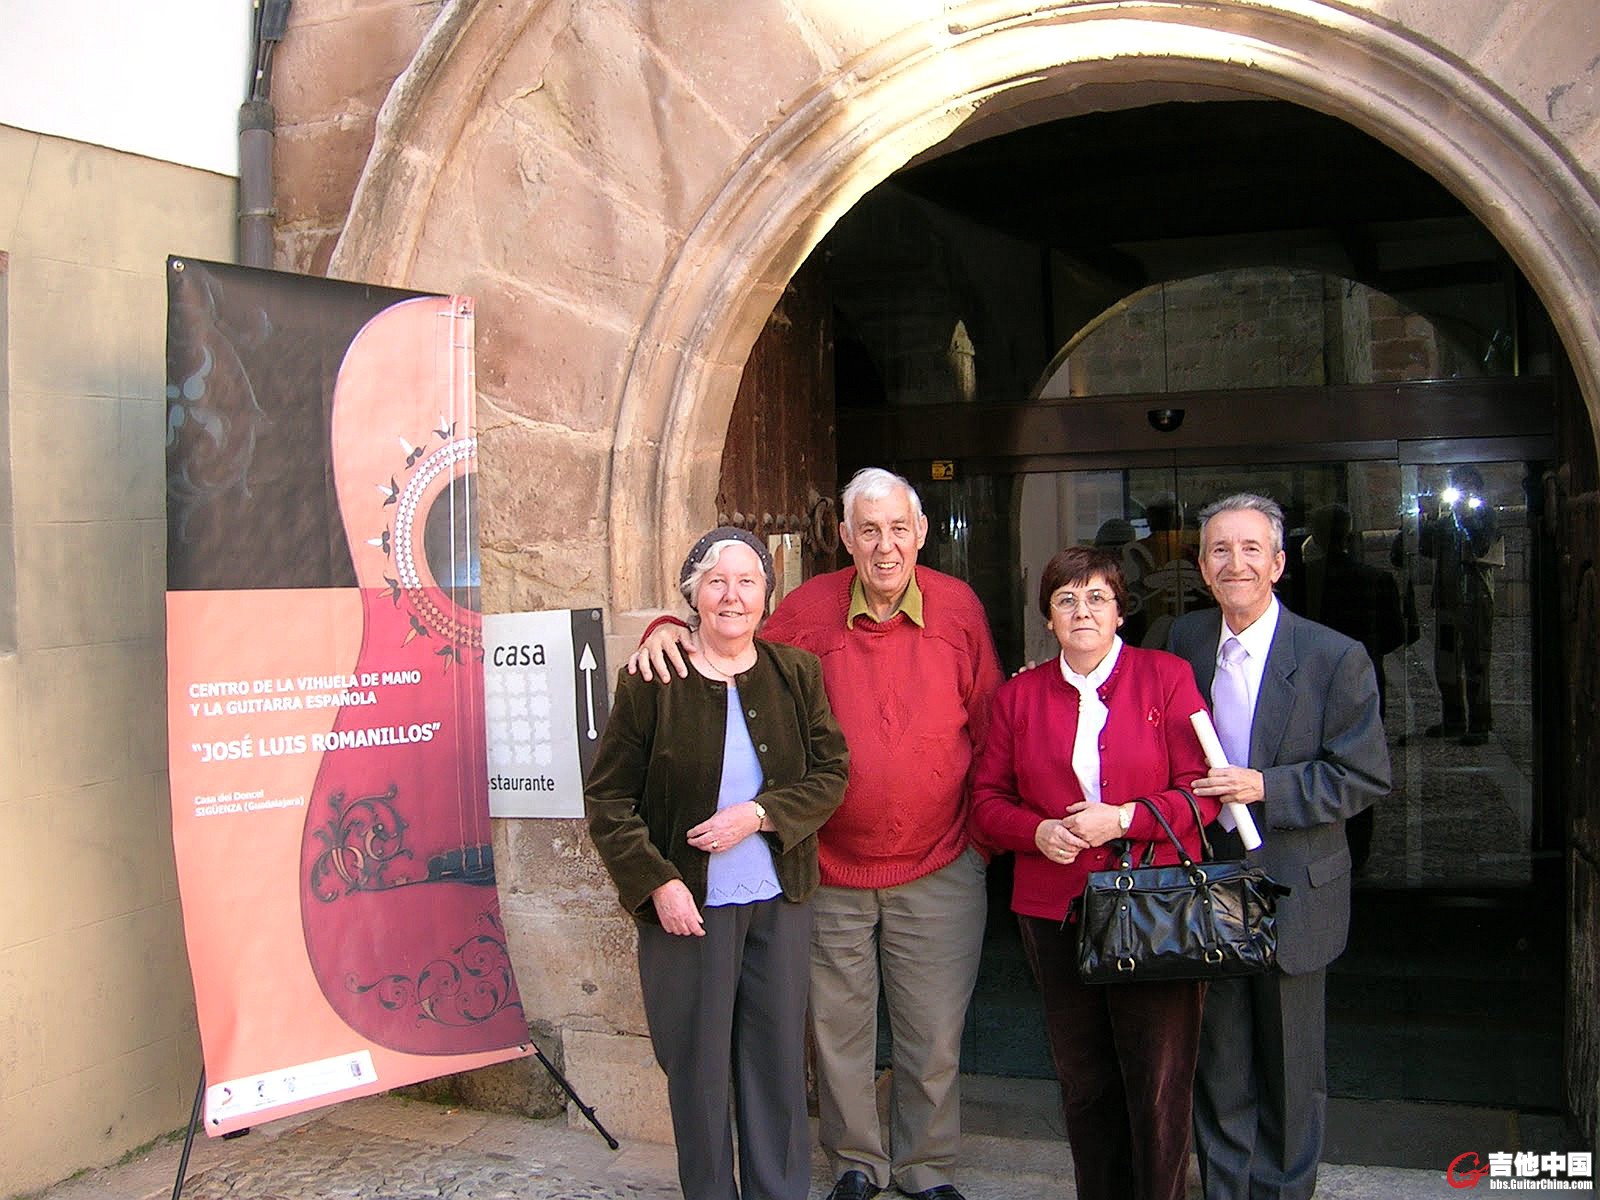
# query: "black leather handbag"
(1194, 920)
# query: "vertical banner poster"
(545, 687)
(325, 691)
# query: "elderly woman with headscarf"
(704, 802)
(1072, 745)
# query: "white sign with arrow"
(545, 703)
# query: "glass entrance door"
(1435, 568)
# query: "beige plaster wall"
(8, 557)
(98, 1049)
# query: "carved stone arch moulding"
(906, 93)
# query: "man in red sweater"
(910, 669)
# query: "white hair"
(691, 581)
(874, 483)
(1246, 502)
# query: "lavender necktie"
(1230, 703)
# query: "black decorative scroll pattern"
(366, 838)
(362, 841)
(467, 989)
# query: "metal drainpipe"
(256, 124)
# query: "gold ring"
(716, 845)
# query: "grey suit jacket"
(1318, 741)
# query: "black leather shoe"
(854, 1185)
(942, 1191)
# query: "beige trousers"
(920, 942)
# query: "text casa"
(519, 656)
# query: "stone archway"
(876, 105)
(626, 188)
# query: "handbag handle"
(1183, 853)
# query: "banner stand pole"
(567, 1088)
(188, 1136)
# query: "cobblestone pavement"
(324, 1160)
(391, 1148)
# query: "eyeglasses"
(1068, 601)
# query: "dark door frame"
(1483, 419)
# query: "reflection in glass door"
(1463, 727)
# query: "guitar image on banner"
(401, 918)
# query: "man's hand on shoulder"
(667, 643)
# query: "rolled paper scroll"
(1233, 816)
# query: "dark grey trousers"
(727, 1020)
(1261, 1089)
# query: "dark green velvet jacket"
(658, 770)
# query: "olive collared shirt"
(910, 603)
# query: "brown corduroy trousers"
(1124, 1054)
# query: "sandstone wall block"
(750, 62)
(538, 481)
(544, 358)
(617, 1075)
(326, 78)
(615, 103)
(576, 966)
(538, 215)
(534, 577)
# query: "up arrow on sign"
(587, 665)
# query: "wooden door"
(780, 463)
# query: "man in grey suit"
(1300, 703)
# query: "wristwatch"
(1125, 817)
(761, 813)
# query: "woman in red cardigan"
(1071, 744)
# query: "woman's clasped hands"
(1087, 824)
(1057, 841)
(725, 829)
(1093, 823)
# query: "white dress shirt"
(1092, 714)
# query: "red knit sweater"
(1148, 748)
(914, 707)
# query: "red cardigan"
(914, 704)
(1148, 748)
